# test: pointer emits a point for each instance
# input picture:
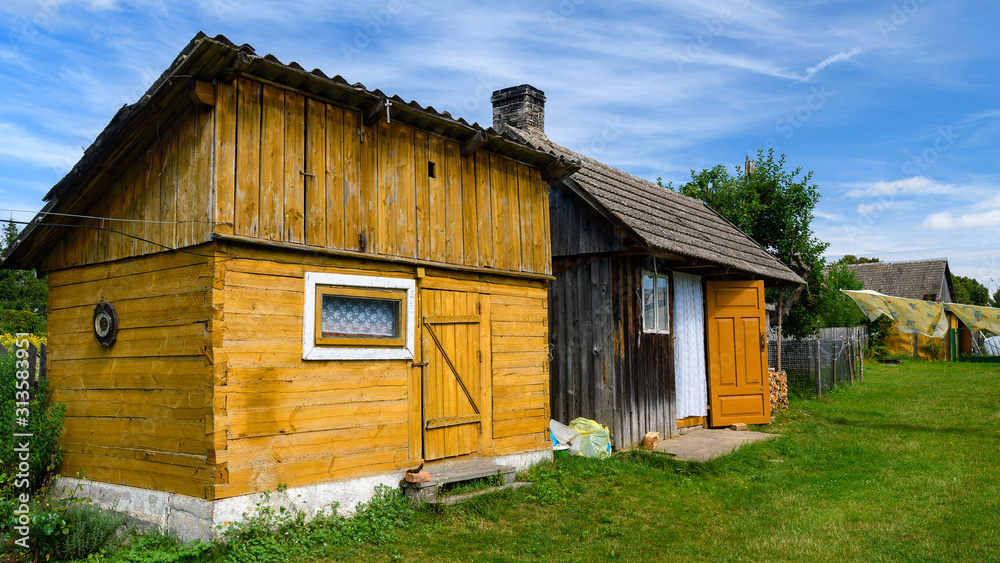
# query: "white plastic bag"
(564, 437)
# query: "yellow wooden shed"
(261, 275)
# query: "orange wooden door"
(455, 386)
(737, 353)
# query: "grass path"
(905, 467)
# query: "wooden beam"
(317, 251)
(559, 170)
(473, 143)
(454, 421)
(202, 93)
(377, 111)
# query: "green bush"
(91, 530)
(15, 321)
(271, 535)
(42, 420)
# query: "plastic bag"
(595, 440)
(564, 437)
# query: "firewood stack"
(779, 389)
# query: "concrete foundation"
(192, 518)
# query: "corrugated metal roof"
(663, 219)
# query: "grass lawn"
(905, 467)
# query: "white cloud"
(882, 206)
(945, 220)
(827, 216)
(18, 145)
(841, 56)
(917, 185)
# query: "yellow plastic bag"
(595, 440)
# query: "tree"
(23, 296)
(852, 259)
(995, 302)
(969, 291)
(775, 207)
(837, 309)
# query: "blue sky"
(894, 106)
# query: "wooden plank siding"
(604, 367)
(137, 413)
(343, 180)
(287, 420)
(159, 201)
(273, 164)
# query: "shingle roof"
(665, 220)
(911, 280)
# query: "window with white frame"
(655, 303)
(349, 317)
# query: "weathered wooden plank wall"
(603, 366)
(270, 163)
(336, 179)
(646, 400)
(581, 316)
(285, 420)
(162, 198)
(138, 413)
(280, 419)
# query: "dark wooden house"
(262, 275)
(656, 313)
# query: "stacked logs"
(779, 389)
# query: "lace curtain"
(689, 346)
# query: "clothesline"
(924, 317)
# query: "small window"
(655, 303)
(350, 316)
(357, 317)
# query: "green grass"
(905, 467)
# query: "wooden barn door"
(455, 385)
(737, 353)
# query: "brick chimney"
(520, 106)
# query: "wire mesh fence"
(820, 363)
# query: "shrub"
(42, 420)
(15, 321)
(270, 535)
(91, 530)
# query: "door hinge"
(479, 354)
(419, 364)
(763, 343)
(479, 308)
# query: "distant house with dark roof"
(640, 272)
(927, 280)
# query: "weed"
(91, 529)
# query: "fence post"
(834, 367)
(851, 356)
(43, 371)
(819, 370)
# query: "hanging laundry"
(911, 315)
(976, 317)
